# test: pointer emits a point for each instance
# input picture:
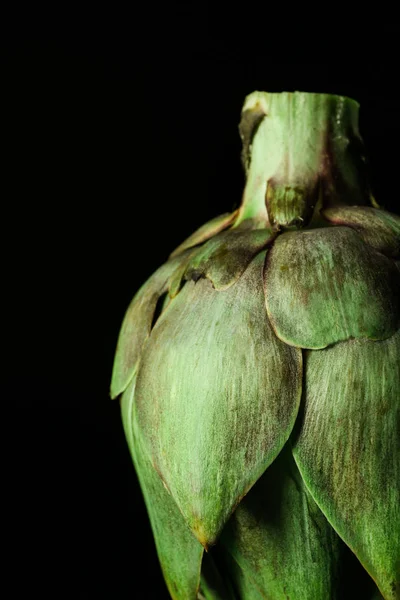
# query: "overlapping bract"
(210, 441)
(214, 394)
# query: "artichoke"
(259, 373)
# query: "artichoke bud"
(259, 374)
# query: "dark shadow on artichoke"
(354, 579)
(215, 581)
(161, 305)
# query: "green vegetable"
(259, 375)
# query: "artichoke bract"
(259, 373)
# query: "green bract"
(259, 370)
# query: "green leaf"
(281, 540)
(206, 231)
(179, 552)
(326, 285)
(378, 228)
(225, 257)
(137, 323)
(348, 449)
(217, 396)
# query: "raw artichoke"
(260, 373)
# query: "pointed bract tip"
(201, 535)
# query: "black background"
(120, 138)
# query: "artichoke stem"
(299, 148)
